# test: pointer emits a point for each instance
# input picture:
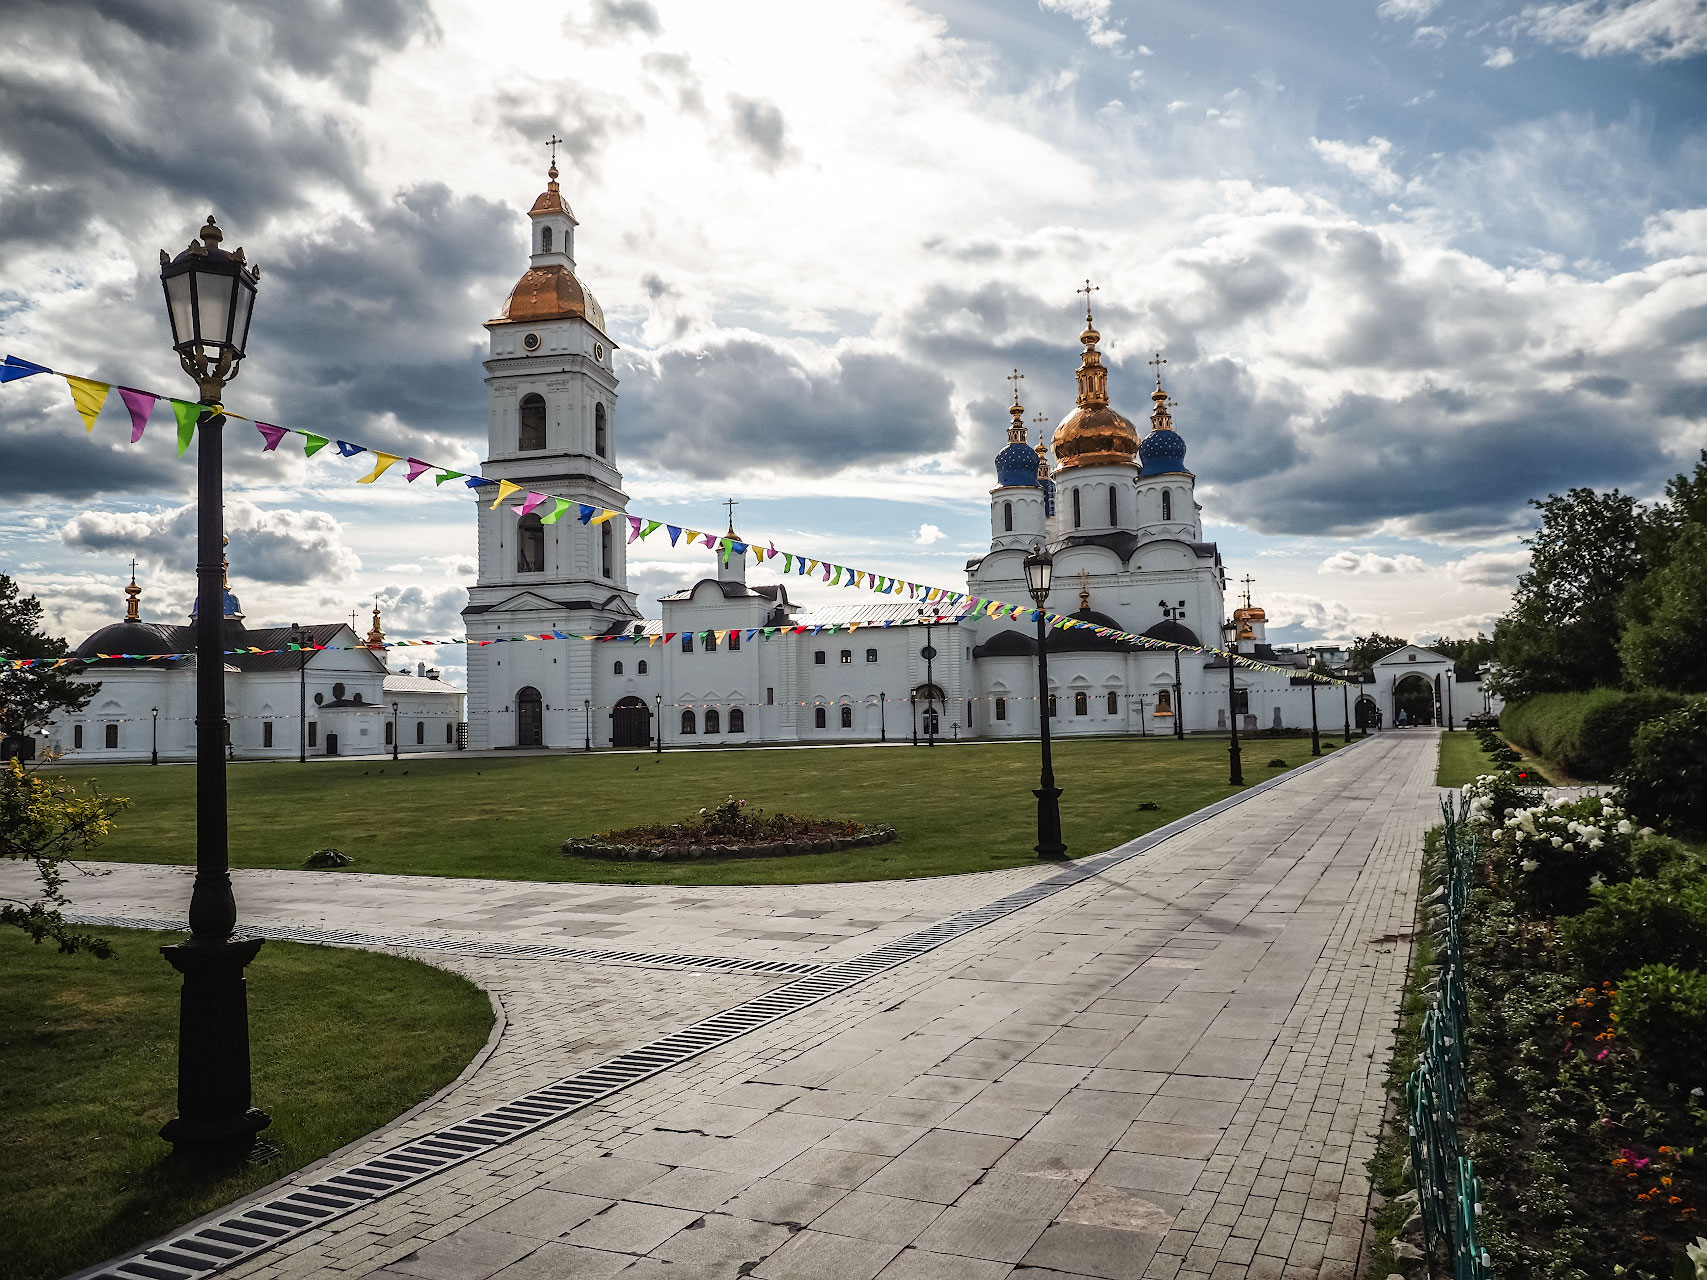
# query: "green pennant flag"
(563, 504)
(651, 526)
(836, 580)
(312, 444)
(447, 475)
(726, 543)
(188, 415)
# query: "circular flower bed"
(729, 830)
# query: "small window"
(818, 658)
(1114, 506)
(388, 728)
(734, 642)
(1081, 703)
(1114, 704)
(77, 737)
(689, 725)
(1167, 504)
(737, 721)
(871, 655)
(617, 670)
(545, 240)
(599, 442)
(266, 733)
(356, 698)
(818, 721)
(337, 692)
(687, 642)
(319, 698)
(530, 434)
(1164, 702)
(530, 544)
(640, 667)
(1242, 702)
(420, 733)
(847, 717)
(713, 721)
(605, 549)
(847, 655)
(1053, 711)
(450, 733)
(313, 734)
(770, 697)
(1001, 708)
(112, 736)
(709, 638)
(1008, 517)
(1078, 517)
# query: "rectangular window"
(710, 641)
(1051, 706)
(871, 655)
(847, 655)
(112, 736)
(818, 658)
(77, 737)
(1242, 701)
(734, 642)
(1001, 708)
(313, 734)
(770, 697)
(687, 642)
(266, 733)
(1114, 704)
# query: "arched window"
(530, 544)
(687, 642)
(737, 721)
(641, 668)
(388, 728)
(77, 733)
(450, 733)
(734, 642)
(1164, 702)
(847, 717)
(1001, 708)
(871, 655)
(689, 725)
(1114, 704)
(605, 549)
(420, 733)
(599, 443)
(532, 433)
(818, 722)
(545, 240)
(1008, 516)
(1113, 506)
(1081, 703)
(1053, 710)
(710, 639)
(1078, 518)
(1167, 504)
(617, 671)
(713, 721)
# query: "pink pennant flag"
(272, 435)
(633, 527)
(533, 500)
(416, 467)
(711, 541)
(140, 404)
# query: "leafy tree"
(1365, 650)
(1467, 655)
(48, 823)
(32, 696)
(1561, 633)
(1665, 641)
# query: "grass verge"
(1462, 758)
(957, 808)
(342, 1041)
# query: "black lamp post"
(210, 294)
(1173, 613)
(587, 723)
(913, 707)
(1039, 569)
(882, 716)
(1143, 724)
(296, 638)
(658, 701)
(394, 731)
(1345, 703)
(154, 739)
(1235, 770)
(928, 653)
(1315, 730)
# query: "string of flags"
(89, 396)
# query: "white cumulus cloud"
(1371, 562)
(929, 533)
(1366, 162)
(1653, 30)
(1093, 15)
(1406, 10)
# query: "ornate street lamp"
(1039, 569)
(928, 653)
(394, 731)
(587, 723)
(210, 294)
(1176, 614)
(1235, 770)
(658, 701)
(882, 716)
(154, 740)
(1315, 731)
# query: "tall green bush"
(1664, 1012)
(1666, 783)
(1638, 923)
(1589, 733)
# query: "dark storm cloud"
(761, 126)
(627, 16)
(266, 546)
(738, 402)
(44, 453)
(586, 121)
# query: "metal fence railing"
(1448, 1197)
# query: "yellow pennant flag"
(601, 517)
(384, 461)
(88, 395)
(505, 489)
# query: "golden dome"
(1094, 435)
(551, 199)
(550, 293)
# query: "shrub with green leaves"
(1666, 783)
(1664, 1012)
(1555, 854)
(1490, 797)
(1641, 922)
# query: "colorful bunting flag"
(140, 404)
(633, 528)
(188, 415)
(416, 467)
(88, 395)
(383, 463)
(563, 504)
(674, 533)
(446, 475)
(312, 444)
(533, 500)
(602, 517)
(14, 368)
(271, 434)
(349, 450)
(505, 489)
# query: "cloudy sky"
(1411, 262)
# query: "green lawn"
(1462, 758)
(957, 808)
(342, 1041)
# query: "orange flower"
(1675, 1200)
(1620, 1162)
(1665, 1181)
(1643, 1197)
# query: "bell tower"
(551, 429)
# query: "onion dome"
(550, 291)
(1163, 449)
(133, 638)
(1016, 465)
(1094, 435)
(1173, 632)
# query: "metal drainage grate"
(216, 1245)
(472, 947)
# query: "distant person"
(1402, 721)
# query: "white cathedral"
(1116, 509)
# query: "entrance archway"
(631, 723)
(1413, 695)
(530, 718)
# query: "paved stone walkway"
(1170, 1069)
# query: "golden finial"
(551, 173)
(1042, 421)
(1247, 580)
(134, 593)
(731, 504)
(1088, 290)
(1084, 591)
(1157, 364)
(1016, 428)
(376, 636)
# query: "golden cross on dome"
(731, 504)
(1247, 580)
(553, 142)
(1088, 290)
(1016, 377)
(1157, 364)
(1084, 589)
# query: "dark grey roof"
(730, 590)
(1173, 632)
(163, 637)
(1080, 640)
(1007, 644)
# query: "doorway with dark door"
(631, 723)
(530, 718)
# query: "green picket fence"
(1448, 1197)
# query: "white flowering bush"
(1490, 797)
(1555, 854)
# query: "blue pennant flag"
(674, 532)
(349, 450)
(15, 368)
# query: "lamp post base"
(1235, 771)
(214, 1112)
(1049, 846)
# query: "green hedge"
(1588, 733)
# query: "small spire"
(1016, 428)
(134, 593)
(1084, 591)
(1088, 290)
(731, 503)
(1161, 417)
(1247, 580)
(551, 173)
(376, 636)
